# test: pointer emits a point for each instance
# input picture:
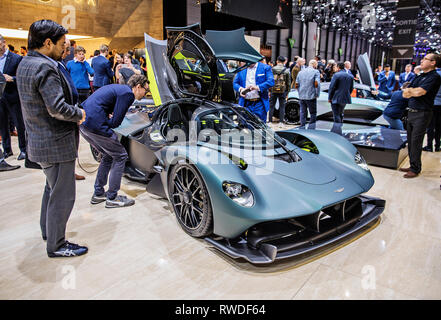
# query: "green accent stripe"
(153, 84)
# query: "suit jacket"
(49, 115)
(402, 78)
(264, 80)
(340, 89)
(103, 73)
(2, 83)
(386, 84)
(10, 93)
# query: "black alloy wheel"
(190, 200)
(292, 112)
(96, 154)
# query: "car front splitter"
(294, 237)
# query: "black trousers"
(57, 203)
(417, 123)
(281, 97)
(83, 94)
(14, 110)
(434, 129)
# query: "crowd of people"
(52, 94)
(52, 97)
(416, 92)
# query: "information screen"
(274, 12)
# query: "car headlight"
(238, 193)
(360, 161)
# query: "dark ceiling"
(350, 16)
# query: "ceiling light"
(23, 34)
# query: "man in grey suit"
(51, 122)
(339, 93)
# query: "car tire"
(292, 112)
(190, 200)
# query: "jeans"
(434, 129)
(417, 123)
(112, 164)
(306, 105)
(282, 99)
(394, 123)
(338, 111)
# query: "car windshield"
(237, 127)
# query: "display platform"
(379, 146)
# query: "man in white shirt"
(253, 83)
(407, 75)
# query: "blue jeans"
(338, 111)
(112, 164)
(306, 105)
(394, 123)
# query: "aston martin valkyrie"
(250, 192)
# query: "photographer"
(126, 70)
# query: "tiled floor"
(141, 253)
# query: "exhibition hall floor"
(140, 252)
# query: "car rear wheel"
(292, 112)
(190, 200)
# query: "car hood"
(310, 169)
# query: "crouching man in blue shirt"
(105, 110)
(395, 109)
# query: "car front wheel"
(190, 200)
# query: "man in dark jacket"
(339, 93)
(52, 125)
(10, 102)
(102, 68)
(106, 109)
(4, 166)
(395, 109)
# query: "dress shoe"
(7, 154)
(68, 250)
(404, 169)
(4, 166)
(437, 149)
(410, 174)
(78, 177)
(21, 156)
(427, 148)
